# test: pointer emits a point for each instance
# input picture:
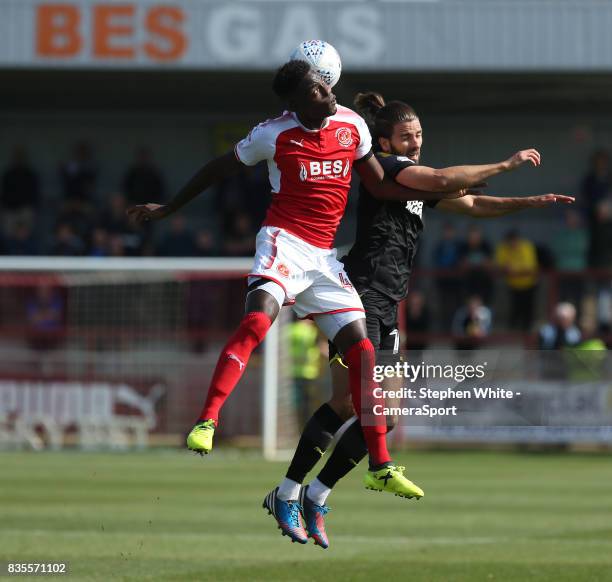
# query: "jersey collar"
(297, 120)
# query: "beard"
(414, 155)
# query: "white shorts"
(313, 279)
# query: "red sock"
(360, 359)
(233, 361)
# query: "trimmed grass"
(173, 516)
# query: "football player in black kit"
(379, 265)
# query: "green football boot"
(201, 437)
(392, 479)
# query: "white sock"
(288, 490)
(318, 492)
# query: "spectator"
(114, 220)
(79, 174)
(561, 331)
(447, 251)
(248, 191)
(116, 246)
(258, 194)
(587, 360)
(600, 257)
(20, 191)
(79, 216)
(604, 307)
(239, 240)
(305, 366)
(204, 298)
(178, 242)
(545, 256)
(597, 184)
(570, 246)
(21, 241)
(476, 260)
(601, 235)
(45, 318)
(418, 321)
(143, 181)
(99, 243)
(471, 324)
(518, 259)
(446, 257)
(67, 242)
(204, 243)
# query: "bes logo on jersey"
(324, 169)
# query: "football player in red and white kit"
(310, 151)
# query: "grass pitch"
(175, 516)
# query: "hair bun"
(368, 104)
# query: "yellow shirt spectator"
(305, 354)
(518, 258)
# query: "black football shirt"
(387, 237)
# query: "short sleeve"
(365, 139)
(392, 164)
(256, 146)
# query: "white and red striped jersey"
(309, 170)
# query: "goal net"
(119, 352)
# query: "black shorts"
(381, 322)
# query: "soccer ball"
(323, 58)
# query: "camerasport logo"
(344, 137)
(323, 170)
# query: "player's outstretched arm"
(491, 206)
(211, 173)
(373, 178)
(457, 177)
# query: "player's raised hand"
(548, 199)
(524, 156)
(147, 212)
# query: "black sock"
(350, 450)
(316, 437)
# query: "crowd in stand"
(84, 226)
(464, 264)
(467, 267)
(467, 271)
